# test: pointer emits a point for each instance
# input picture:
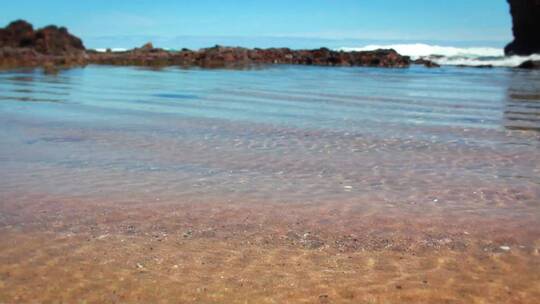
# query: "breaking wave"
(445, 55)
(103, 50)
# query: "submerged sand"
(78, 250)
(284, 185)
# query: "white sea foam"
(445, 55)
(418, 50)
(112, 50)
(510, 61)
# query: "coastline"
(215, 57)
(54, 47)
(213, 181)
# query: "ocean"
(379, 179)
(476, 108)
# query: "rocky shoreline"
(54, 47)
(232, 57)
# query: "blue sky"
(294, 23)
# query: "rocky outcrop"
(427, 63)
(26, 57)
(17, 34)
(530, 65)
(21, 45)
(236, 57)
(526, 27)
(50, 40)
(56, 41)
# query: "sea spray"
(447, 55)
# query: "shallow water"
(400, 172)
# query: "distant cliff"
(526, 27)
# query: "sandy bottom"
(79, 250)
(280, 185)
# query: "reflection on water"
(523, 105)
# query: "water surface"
(440, 167)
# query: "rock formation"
(50, 40)
(236, 57)
(530, 65)
(526, 27)
(21, 45)
(427, 63)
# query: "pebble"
(505, 248)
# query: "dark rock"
(56, 41)
(17, 34)
(427, 63)
(50, 40)
(484, 66)
(530, 64)
(21, 45)
(480, 66)
(219, 56)
(526, 27)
